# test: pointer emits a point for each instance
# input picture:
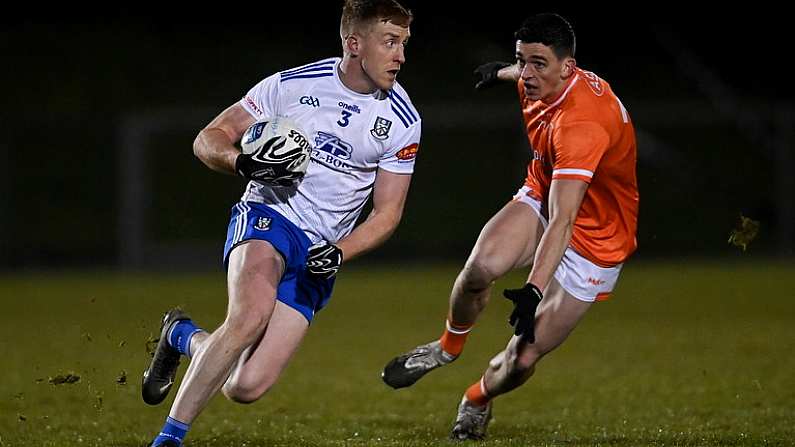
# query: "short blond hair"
(358, 14)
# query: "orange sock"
(454, 337)
(476, 394)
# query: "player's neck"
(354, 78)
(560, 91)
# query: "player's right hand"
(488, 74)
(523, 317)
(260, 168)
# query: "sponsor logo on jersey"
(408, 153)
(253, 105)
(331, 150)
(263, 224)
(381, 128)
(309, 101)
(253, 133)
(351, 108)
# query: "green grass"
(684, 354)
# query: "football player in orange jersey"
(573, 221)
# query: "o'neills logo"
(351, 108)
(595, 281)
(408, 153)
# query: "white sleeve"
(262, 101)
(400, 157)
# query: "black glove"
(488, 74)
(324, 260)
(523, 317)
(264, 166)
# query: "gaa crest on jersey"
(381, 128)
(594, 82)
(263, 224)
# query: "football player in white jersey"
(286, 243)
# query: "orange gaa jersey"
(586, 134)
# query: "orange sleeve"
(578, 146)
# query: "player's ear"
(352, 44)
(569, 65)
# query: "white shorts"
(578, 276)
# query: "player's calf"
(511, 368)
(472, 287)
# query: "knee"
(478, 273)
(243, 330)
(243, 391)
(517, 365)
(240, 394)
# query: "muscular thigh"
(509, 239)
(255, 269)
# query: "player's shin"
(197, 342)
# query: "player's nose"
(526, 73)
(400, 55)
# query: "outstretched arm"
(389, 197)
(509, 73)
(491, 73)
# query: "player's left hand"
(523, 317)
(488, 74)
(324, 259)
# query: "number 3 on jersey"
(344, 121)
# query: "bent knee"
(243, 392)
(244, 329)
(478, 273)
(520, 365)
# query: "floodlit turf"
(684, 354)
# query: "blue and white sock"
(173, 430)
(180, 334)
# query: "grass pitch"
(684, 354)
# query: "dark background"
(709, 94)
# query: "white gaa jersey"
(352, 134)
